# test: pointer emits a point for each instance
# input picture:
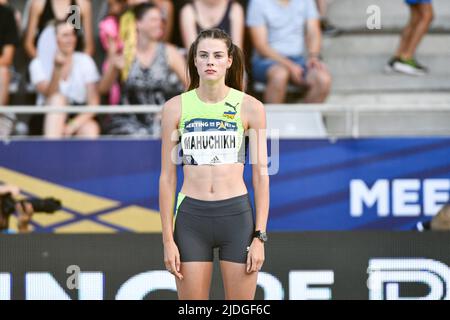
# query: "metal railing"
(350, 114)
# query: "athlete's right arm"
(171, 114)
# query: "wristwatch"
(261, 235)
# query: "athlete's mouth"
(210, 71)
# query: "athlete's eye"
(203, 55)
(218, 56)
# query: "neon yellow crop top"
(212, 133)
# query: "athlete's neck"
(212, 93)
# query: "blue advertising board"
(348, 184)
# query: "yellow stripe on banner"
(85, 227)
(134, 218)
(79, 201)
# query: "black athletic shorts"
(201, 226)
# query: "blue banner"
(112, 185)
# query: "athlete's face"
(212, 60)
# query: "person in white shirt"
(72, 80)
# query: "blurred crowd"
(140, 64)
(125, 54)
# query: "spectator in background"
(9, 40)
(421, 16)
(440, 222)
(156, 74)
(109, 31)
(198, 15)
(72, 80)
(167, 9)
(44, 12)
(17, 14)
(327, 28)
(128, 31)
(277, 32)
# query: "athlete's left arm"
(260, 178)
(258, 159)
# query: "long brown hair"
(234, 77)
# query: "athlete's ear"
(230, 62)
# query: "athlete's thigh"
(196, 280)
(238, 284)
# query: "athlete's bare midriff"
(213, 182)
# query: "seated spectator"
(9, 40)
(156, 74)
(128, 34)
(109, 31)
(72, 80)
(127, 27)
(199, 15)
(277, 33)
(44, 12)
(167, 9)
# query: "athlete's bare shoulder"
(173, 103)
(251, 108)
(251, 104)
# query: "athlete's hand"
(255, 256)
(172, 259)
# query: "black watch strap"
(261, 235)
